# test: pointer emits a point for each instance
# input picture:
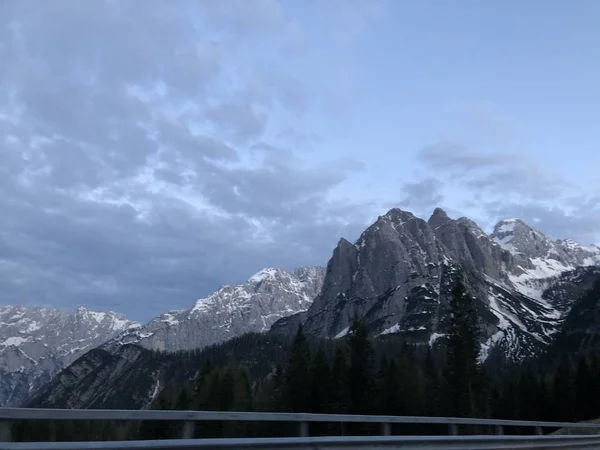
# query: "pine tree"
(431, 385)
(529, 395)
(225, 389)
(242, 390)
(563, 392)
(184, 400)
(584, 388)
(320, 383)
(298, 387)
(389, 400)
(463, 375)
(340, 393)
(361, 370)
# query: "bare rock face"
(254, 306)
(36, 343)
(398, 276)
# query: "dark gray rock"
(398, 275)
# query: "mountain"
(36, 343)
(538, 257)
(398, 275)
(130, 377)
(230, 311)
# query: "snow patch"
(342, 333)
(392, 329)
(155, 391)
(265, 274)
(169, 319)
(97, 316)
(33, 326)
(16, 341)
(508, 226)
(506, 244)
(434, 337)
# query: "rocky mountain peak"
(517, 237)
(532, 248)
(438, 218)
(397, 216)
(268, 274)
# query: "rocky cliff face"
(398, 274)
(231, 311)
(35, 343)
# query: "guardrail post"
(344, 428)
(188, 430)
(452, 429)
(303, 429)
(5, 431)
(499, 429)
(386, 429)
(539, 431)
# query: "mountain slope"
(397, 276)
(230, 311)
(131, 376)
(35, 343)
(580, 332)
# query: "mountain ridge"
(230, 311)
(396, 276)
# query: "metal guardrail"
(303, 420)
(332, 443)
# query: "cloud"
(423, 194)
(457, 155)
(496, 185)
(149, 155)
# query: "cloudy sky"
(152, 151)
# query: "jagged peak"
(518, 237)
(395, 217)
(395, 214)
(269, 273)
(515, 225)
(508, 225)
(343, 242)
(438, 218)
(439, 212)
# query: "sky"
(149, 155)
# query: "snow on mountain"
(539, 259)
(35, 343)
(254, 306)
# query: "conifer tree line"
(361, 375)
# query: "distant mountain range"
(36, 343)
(397, 277)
